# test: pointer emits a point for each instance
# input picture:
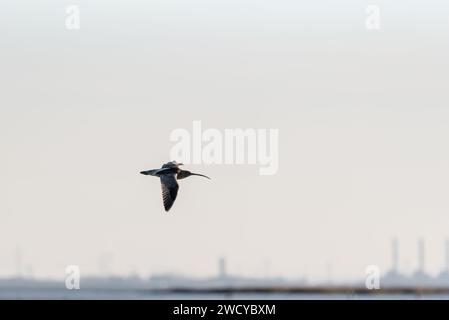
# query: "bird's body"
(169, 173)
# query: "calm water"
(142, 295)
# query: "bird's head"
(172, 164)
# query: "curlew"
(169, 173)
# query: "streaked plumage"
(169, 173)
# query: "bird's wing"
(169, 190)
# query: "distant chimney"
(19, 263)
(222, 268)
(395, 255)
(421, 255)
(447, 255)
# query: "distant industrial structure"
(222, 280)
(394, 278)
(419, 278)
(222, 268)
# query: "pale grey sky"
(362, 116)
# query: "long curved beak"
(201, 175)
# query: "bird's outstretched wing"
(169, 190)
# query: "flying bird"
(169, 173)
